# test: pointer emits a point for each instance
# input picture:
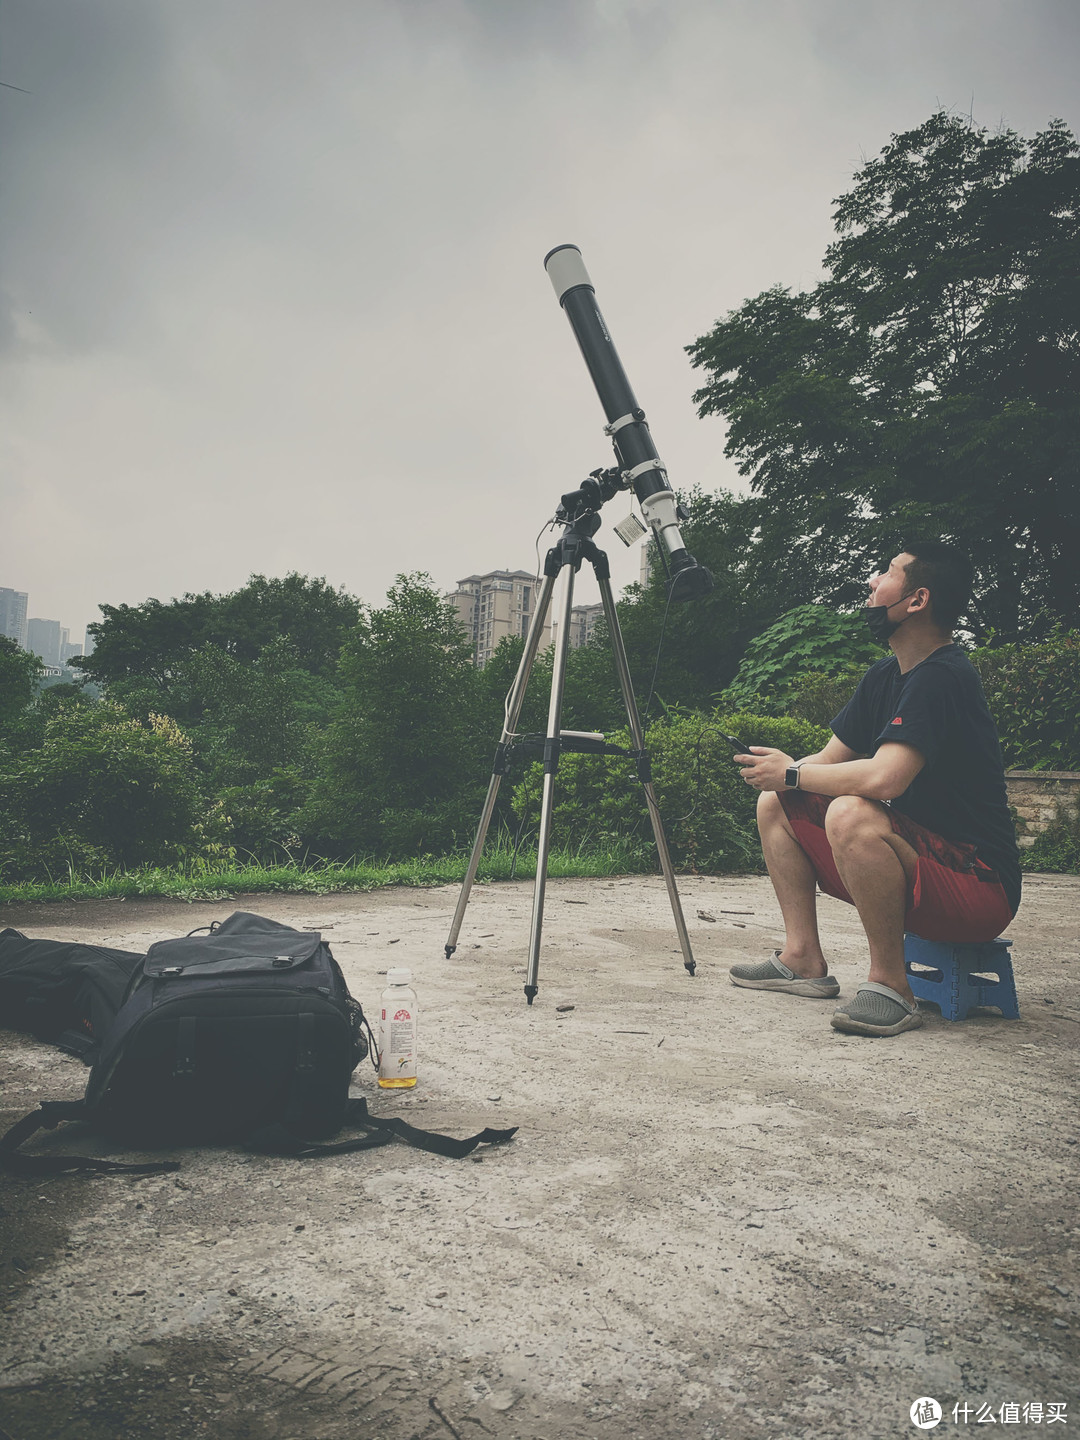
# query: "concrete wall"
(1040, 797)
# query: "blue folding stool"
(960, 977)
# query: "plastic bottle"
(397, 1032)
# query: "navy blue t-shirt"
(939, 708)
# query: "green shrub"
(1056, 849)
(261, 817)
(103, 789)
(1034, 696)
(706, 806)
(810, 638)
(819, 697)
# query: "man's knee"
(769, 810)
(851, 816)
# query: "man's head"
(935, 580)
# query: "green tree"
(142, 652)
(401, 767)
(255, 716)
(704, 639)
(931, 381)
(19, 671)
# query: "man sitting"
(903, 813)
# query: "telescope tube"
(634, 449)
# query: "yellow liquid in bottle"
(397, 1084)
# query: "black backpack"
(247, 1033)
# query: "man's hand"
(764, 768)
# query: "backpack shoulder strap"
(48, 1115)
(276, 1140)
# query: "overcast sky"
(273, 295)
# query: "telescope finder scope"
(626, 424)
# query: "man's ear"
(921, 598)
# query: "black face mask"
(878, 622)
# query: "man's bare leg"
(795, 883)
(877, 868)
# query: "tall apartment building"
(583, 620)
(13, 605)
(44, 638)
(496, 605)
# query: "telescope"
(639, 468)
(638, 464)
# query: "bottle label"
(397, 1044)
(402, 1033)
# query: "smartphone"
(737, 746)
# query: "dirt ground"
(720, 1218)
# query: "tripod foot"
(691, 966)
(449, 950)
(531, 992)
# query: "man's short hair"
(947, 572)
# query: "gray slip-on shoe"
(774, 975)
(877, 1010)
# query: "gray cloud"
(274, 271)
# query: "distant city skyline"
(49, 640)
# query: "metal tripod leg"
(513, 711)
(551, 764)
(611, 615)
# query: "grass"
(219, 879)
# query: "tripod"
(575, 547)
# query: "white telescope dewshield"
(635, 452)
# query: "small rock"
(494, 1097)
(1061, 1324)
(875, 1330)
(704, 915)
(561, 1009)
(299, 1227)
(503, 1399)
(1060, 1290)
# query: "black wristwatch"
(791, 776)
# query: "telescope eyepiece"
(690, 581)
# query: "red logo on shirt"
(898, 721)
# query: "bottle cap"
(400, 976)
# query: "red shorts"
(954, 896)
